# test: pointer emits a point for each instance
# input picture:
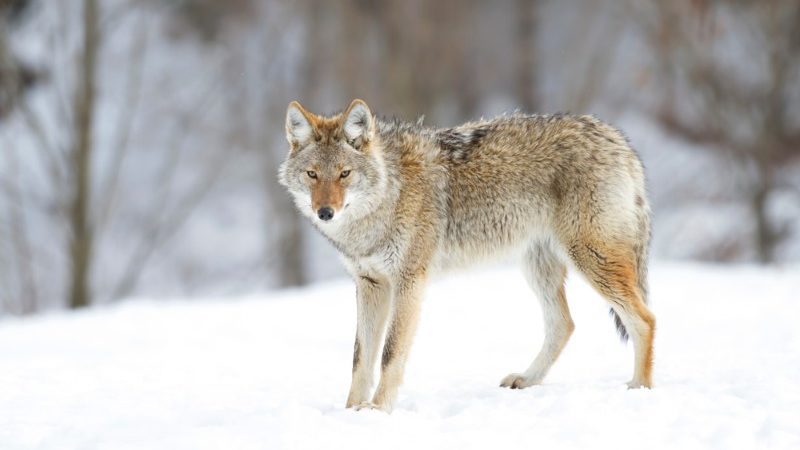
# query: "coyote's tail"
(621, 330)
(640, 254)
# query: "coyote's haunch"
(401, 202)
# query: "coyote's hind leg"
(613, 272)
(546, 274)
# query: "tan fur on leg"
(399, 336)
(546, 275)
(613, 273)
(373, 310)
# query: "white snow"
(272, 372)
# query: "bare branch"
(110, 184)
(162, 231)
(168, 220)
(748, 121)
(699, 133)
(53, 159)
(20, 239)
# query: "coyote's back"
(544, 177)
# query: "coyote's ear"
(298, 125)
(359, 125)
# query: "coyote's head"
(334, 170)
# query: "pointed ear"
(359, 125)
(298, 125)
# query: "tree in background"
(72, 187)
(139, 144)
(16, 77)
(80, 157)
(729, 77)
(526, 12)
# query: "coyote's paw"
(353, 401)
(634, 384)
(517, 381)
(369, 405)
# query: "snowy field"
(273, 372)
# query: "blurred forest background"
(139, 139)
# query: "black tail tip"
(623, 333)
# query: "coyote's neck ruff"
(401, 201)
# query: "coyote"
(402, 201)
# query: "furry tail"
(621, 330)
(640, 251)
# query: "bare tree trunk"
(764, 243)
(526, 12)
(18, 233)
(684, 35)
(291, 268)
(8, 85)
(81, 239)
(286, 251)
(13, 75)
(766, 235)
(467, 82)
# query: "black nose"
(325, 213)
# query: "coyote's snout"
(401, 201)
(325, 213)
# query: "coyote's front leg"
(403, 324)
(373, 295)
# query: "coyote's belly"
(490, 229)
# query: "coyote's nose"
(325, 213)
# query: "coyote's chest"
(368, 247)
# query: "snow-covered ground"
(273, 372)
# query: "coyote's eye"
(311, 174)
(345, 173)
